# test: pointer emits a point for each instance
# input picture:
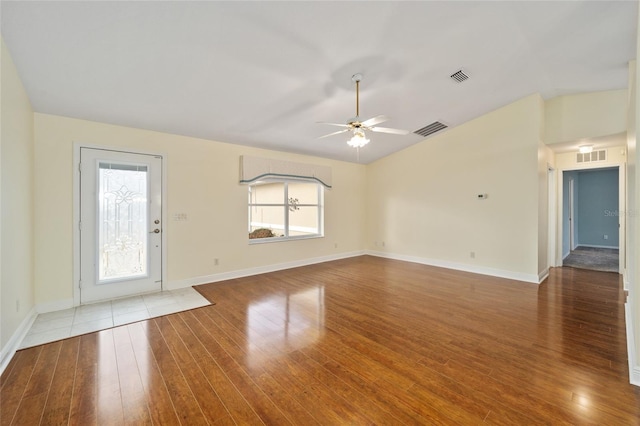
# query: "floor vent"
(459, 76)
(593, 156)
(432, 128)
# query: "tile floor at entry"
(99, 316)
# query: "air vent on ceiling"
(430, 129)
(459, 76)
(590, 157)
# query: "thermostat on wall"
(482, 196)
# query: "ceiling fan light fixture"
(359, 139)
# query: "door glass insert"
(122, 221)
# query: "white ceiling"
(264, 73)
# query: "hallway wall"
(597, 208)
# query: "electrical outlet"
(216, 261)
(606, 237)
(335, 245)
(472, 254)
(383, 244)
(17, 305)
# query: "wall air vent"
(459, 76)
(432, 128)
(593, 156)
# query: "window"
(281, 210)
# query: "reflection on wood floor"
(356, 341)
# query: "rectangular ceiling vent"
(590, 157)
(459, 76)
(432, 128)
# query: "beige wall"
(422, 201)
(16, 195)
(633, 197)
(202, 181)
(546, 159)
(585, 115)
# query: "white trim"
(625, 280)
(174, 285)
(76, 211)
(58, 305)
(596, 246)
(9, 350)
(280, 227)
(253, 169)
(543, 275)
(75, 284)
(283, 239)
(634, 376)
(622, 206)
(518, 276)
(634, 364)
(622, 221)
(552, 216)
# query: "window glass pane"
(268, 193)
(122, 218)
(304, 193)
(273, 216)
(270, 218)
(303, 221)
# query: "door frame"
(552, 216)
(76, 210)
(622, 206)
(572, 215)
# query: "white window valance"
(253, 169)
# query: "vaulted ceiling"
(264, 73)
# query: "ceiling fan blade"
(334, 133)
(375, 120)
(332, 124)
(389, 130)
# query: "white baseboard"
(634, 362)
(518, 276)
(596, 246)
(223, 276)
(625, 281)
(9, 350)
(543, 275)
(57, 305)
(634, 378)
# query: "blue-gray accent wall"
(597, 207)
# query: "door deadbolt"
(156, 221)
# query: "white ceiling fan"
(357, 127)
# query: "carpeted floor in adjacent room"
(597, 259)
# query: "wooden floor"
(356, 341)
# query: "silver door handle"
(155, 231)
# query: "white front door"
(120, 224)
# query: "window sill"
(283, 239)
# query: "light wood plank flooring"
(356, 341)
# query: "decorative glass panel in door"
(122, 221)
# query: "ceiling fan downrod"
(356, 78)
